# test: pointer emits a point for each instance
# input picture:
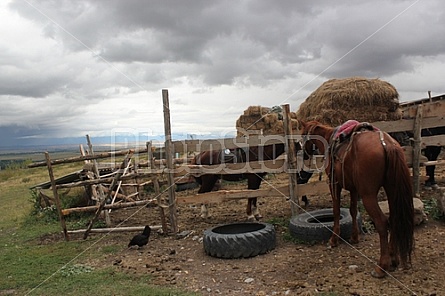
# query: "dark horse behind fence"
(361, 160)
(432, 152)
(239, 155)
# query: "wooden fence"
(418, 115)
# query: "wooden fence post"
(157, 189)
(417, 149)
(56, 195)
(169, 158)
(291, 161)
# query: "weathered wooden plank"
(430, 109)
(226, 195)
(186, 146)
(433, 140)
(87, 157)
(115, 229)
(408, 124)
(312, 188)
(268, 166)
(109, 206)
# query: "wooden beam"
(56, 196)
(267, 166)
(120, 205)
(157, 189)
(169, 155)
(87, 157)
(226, 195)
(431, 109)
(417, 150)
(186, 146)
(312, 188)
(291, 162)
(115, 229)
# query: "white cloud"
(71, 68)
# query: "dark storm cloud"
(110, 58)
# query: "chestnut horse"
(240, 155)
(362, 161)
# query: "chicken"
(141, 239)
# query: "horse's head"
(310, 144)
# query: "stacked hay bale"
(362, 99)
(261, 120)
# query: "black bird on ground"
(141, 239)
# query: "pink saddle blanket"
(346, 128)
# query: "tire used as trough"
(239, 240)
(316, 226)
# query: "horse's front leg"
(335, 192)
(255, 211)
(353, 211)
(249, 211)
(253, 183)
(207, 183)
(204, 211)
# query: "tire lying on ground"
(316, 226)
(239, 240)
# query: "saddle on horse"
(231, 155)
(347, 129)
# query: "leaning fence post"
(56, 195)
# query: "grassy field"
(30, 267)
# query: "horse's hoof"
(378, 275)
(333, 243)
(258, 217)
(354, 241)
(251, 218)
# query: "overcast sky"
(71, 68)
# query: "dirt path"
(290, 269)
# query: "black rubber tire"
(316, 226)
(239, 240)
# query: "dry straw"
(261, 120)
(362, 99)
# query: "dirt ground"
(290, 269)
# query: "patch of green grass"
(432, 209)
(283, 222)
(35, 263)
(279, 221)
(83, 280)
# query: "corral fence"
(418, 115)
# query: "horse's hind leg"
(353, 211)
(335, 193)
(381, 225)
(395, 261)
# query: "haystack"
(362, 99)
(261, 120)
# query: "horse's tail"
(399, 188)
